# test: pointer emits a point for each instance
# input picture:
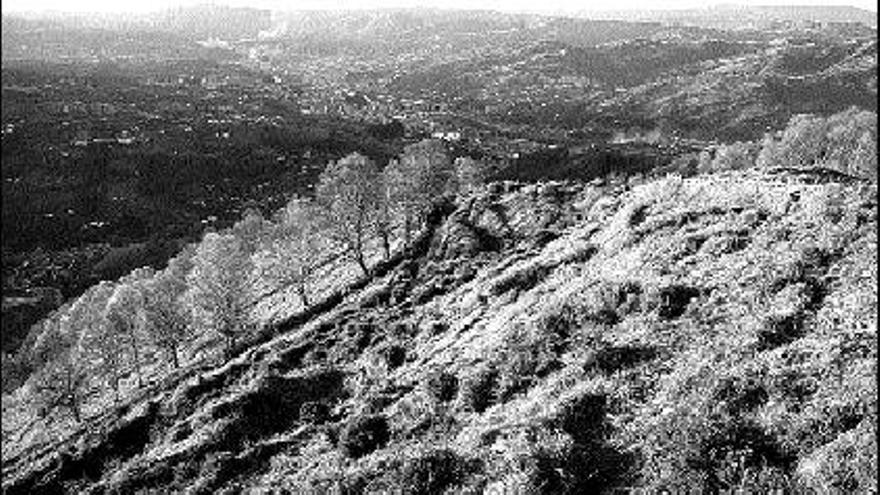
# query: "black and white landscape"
(439, 251)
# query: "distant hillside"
(431, 25)
(738, 98)
(703, 83)
(213, 21)
(170, 27)
(68, 40)
(737, 16)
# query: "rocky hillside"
(710, 333)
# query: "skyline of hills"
(248, 18)
(738, 16)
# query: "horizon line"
(555, 11)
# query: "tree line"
(845, 142)
(153, 322)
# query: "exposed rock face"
(694, 335)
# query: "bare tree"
(384, 214)
(123, 324)
(252, 229)
(219, 286)
(422, 175)
(60, 384)
(348, 194)
(101, 352)
(63, 363)
(401, 195)
(164, 317)
(293, 255)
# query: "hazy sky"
(506, 5)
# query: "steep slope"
(701, 334)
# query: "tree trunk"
(137, 359)
(406, 230)
(230, 346)
(116, 389)
(73, 403)
(137, 370)
(302, 294)
(174, 359)
(359, 257)
(386, 243)
(70, 399)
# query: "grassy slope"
(712, 332)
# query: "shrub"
(672, 301)
(431, 472)
(740, 394)
(522, 279)
(363, 435)
(314, 412)
(559, 322)
(442, 386)
(527, 357)
(582, 254)
(731, 453)
(534, 462)
(584, 418)
(629, 296)
(357, 336)
(469, 175)
(602, 304)
(394, 355)
(605, 304)
(614, 358)
(734, 156)
(686, 164)
(436, 327)
(846, 465)
(477, 390)
(703, 449)
(778, 330)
